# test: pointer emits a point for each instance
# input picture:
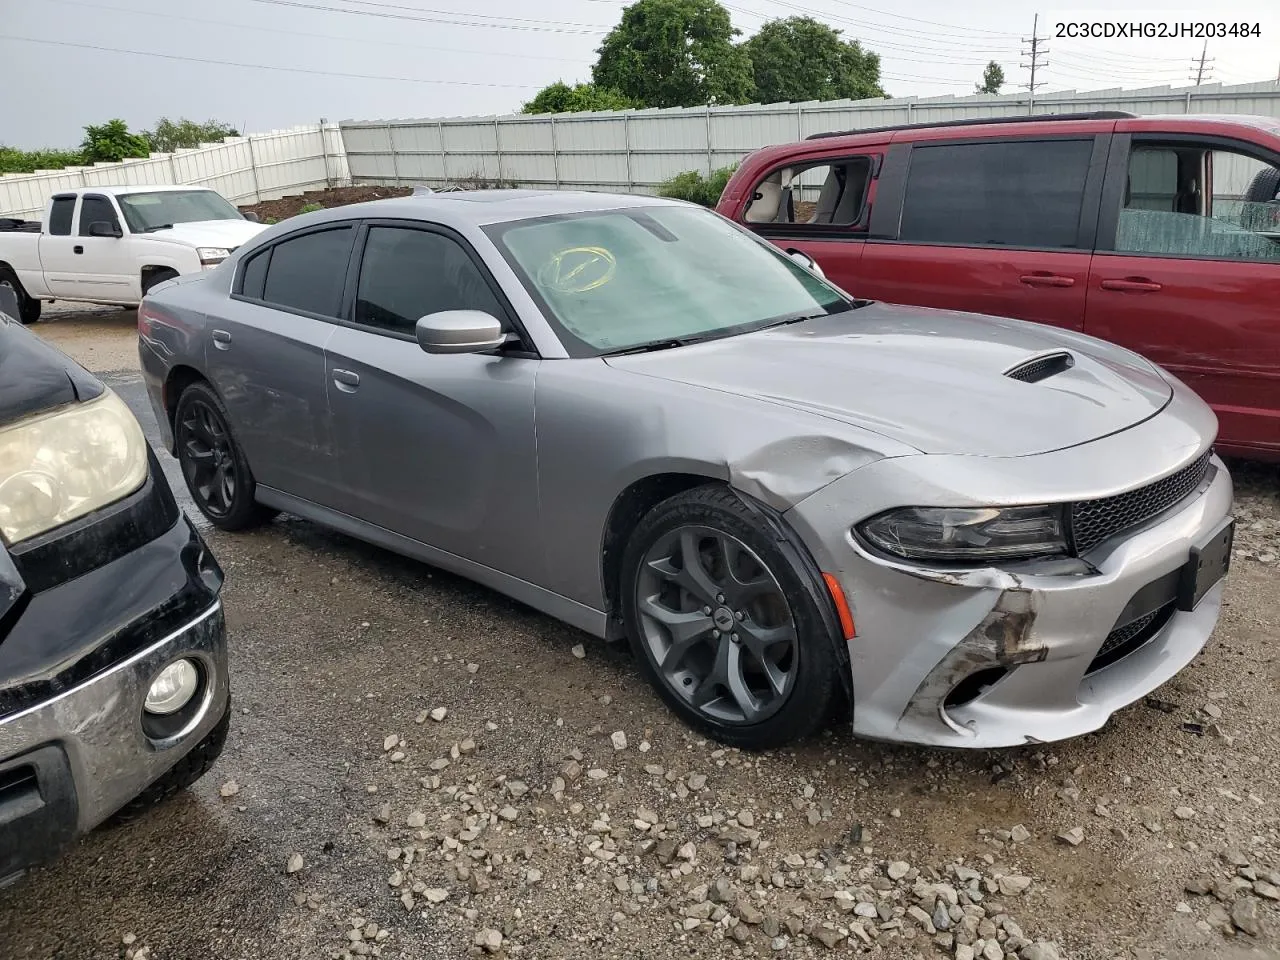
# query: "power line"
(1200, 67)
(460, 23)
(475, 16)
(267, 66)
(319, 36)
(1036, 51)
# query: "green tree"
(799, 58)
(992, 79)
(559, 97)
(112, 142)
(13, 160)
(170, 135)
(696, 188)
(675, 53)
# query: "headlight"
(57, 466)
(209, 256)
(969, 534)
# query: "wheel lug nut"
(733, 637)
(719, 598)
(706, 611)
(739, 614)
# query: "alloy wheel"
(208, 459)
(717, 625)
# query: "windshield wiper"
(663, 345)
(159, 226)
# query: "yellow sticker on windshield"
(578, 269)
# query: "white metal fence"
(261, 166)
(635, 150)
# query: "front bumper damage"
(990, 657)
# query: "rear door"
(819, 205)
(1187, 272)
(436, 447)
(58, 242)
(265, 357)
(998, 226)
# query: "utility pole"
(1199, 65)
(1037, 51)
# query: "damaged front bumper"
(994, 658)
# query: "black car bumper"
(74, 744)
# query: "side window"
(254, 274)
(60, 214)
(828, 194)
(307, 272)
(94, 209)
(407, 274)
(1188, 200)
(1010, 193)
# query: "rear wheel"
(213, 465)
(722, 624)
(28, 307)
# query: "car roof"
(483, 207)
(114, 191)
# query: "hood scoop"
(1042, 367)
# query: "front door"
(819, 206)
(1188, 274)
(436, 447)
(106, 266)
(265, 357)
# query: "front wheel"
(722, 624)
(213, 465)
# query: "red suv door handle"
(1131, 285)
(1047, 280)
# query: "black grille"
(1123, 641)
(1041, 368)
(1093, 521)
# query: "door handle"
(346, 380)
(1131, 285)
(1047, 280)
(222, 339)
(77, 249)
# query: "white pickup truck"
(113, 244)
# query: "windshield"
(150, 211)
(622, 279)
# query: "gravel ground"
(419, 767)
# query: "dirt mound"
(272, 211)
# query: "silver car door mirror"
(460, 331)
(807, 262)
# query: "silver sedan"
(632, 415)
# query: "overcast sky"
(368, 60)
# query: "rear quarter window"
(60, 213)
(306, 273)
(1012, 193)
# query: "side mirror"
(460, 331)
(252, 217)
(100, 228)
(807, 262)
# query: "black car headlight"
(968, 534)
(62, 464)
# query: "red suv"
(1158, 233)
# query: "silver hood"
(933, 379)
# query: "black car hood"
(35, 376)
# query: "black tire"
(155, 279)
(181, 775)
(1264, 186)
(28, 307)
(792, 692)
(204, 443)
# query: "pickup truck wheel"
(28, 307)
(155, 278)
(213, 465)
